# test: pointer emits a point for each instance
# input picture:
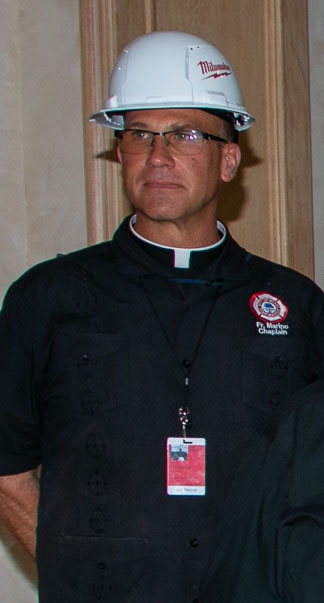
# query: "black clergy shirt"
(95, 349)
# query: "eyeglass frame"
(204, 136)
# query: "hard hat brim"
(242, 120)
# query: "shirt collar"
(136, 258)
(181, 257)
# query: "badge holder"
(186, 472)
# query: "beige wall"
(42, 207)
(42, 198)
(42, 204)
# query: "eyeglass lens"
(182, 142)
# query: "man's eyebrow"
(174, 126)
(137, 124)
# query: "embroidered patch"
(268, 308)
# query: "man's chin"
(161, 214)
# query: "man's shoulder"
(90, 256)
(266, 273)
(55, 272)
(273, 271)
(263, 264)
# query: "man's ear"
(118, 153)
(231, 157)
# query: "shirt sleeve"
(19, 425)
(301, 528)
(270, 544)
(316, 336)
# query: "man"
(169, 333)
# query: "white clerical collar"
(181, 256)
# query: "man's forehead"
(171, 118)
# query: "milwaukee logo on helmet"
(215, 70)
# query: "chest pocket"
(92, 370)
(272, 369)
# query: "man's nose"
(159, 153)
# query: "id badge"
(186, 472)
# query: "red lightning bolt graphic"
(215, 75)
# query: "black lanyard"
(187, 366)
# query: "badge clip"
(183, 414)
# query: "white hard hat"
(172, 69)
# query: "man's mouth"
(161, 184)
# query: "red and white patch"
(268, 307)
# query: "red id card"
(186, 470)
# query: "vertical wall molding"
(298, 136)
(148, 15)
(98, 54)
(275, 128)
(100, 41)
(91, 96)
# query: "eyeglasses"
(180, 142)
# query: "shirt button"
(194, 543)
(275, 399)
(90, 403)
(97, 521)
(186, 363)
(101, 566)
(95, 446)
